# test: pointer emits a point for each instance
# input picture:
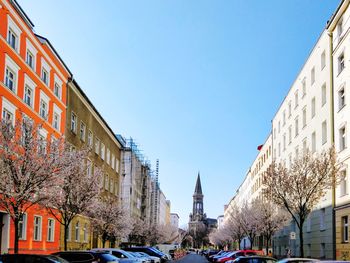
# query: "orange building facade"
(33, 82)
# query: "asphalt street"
(192, 258)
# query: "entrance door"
(4, 232)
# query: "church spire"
(198, 189)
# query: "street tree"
(234, 227)
(138, 233)
(109, 220)
(271, 219)
(248, 220)
(29, 167)
(78, 189)
(299, 188)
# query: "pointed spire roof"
(198, 189)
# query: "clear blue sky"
(194, 82)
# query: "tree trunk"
(267, 244)
(65, 236)
(301, 239)
(16, 221)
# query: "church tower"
(197, 211)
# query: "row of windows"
(13, 39)
(29, 98)
(313, 111)
(77, 232)
(37, 231)
(99, 147)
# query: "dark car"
(254, 259)
(150, 251)
(31, 258)
(87, 256)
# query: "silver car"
(123, 256)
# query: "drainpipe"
(331, 85)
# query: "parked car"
(222, 253)
(153, 259)
(141, 257)
(235, 254)
(122, 255)
(150, 251)
(253, 259)
(297, 260)
(87, 256)
(31, 258)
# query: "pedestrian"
(269, 253)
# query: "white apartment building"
(304, 121)
(251, 187)
(339, 28)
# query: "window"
(12, 39)
(57, 90)
(116, 165)
(296, 99)
(45, 76)
(340, 28)
(69, 234)
(313, 75)
(324, 94)
(297, 152)
(10, 79)
(111, 185)
(113, 162)
(97, 145)
(304, 116)
(274, 133)
(82, 131)
(89, 140)
(313, 142)
(56, 121)
(22, 228)
(296, 126)
(289, 134)
(289, 109)
(322, 217)
(50, 230)
(279, 149)
(284, 117)
(342, 138)
(303, 84)
(308, 224)
(313, 107)
(343, 183)
(324, 132)
(284, 142)
(77, 231)
(28, 96)
(279, 126)
(345, 229)
(11, 74)
(8, 111)
(106, 182)
(304, 145)
(116, 189)
(43, 109)
(37, 228)
(341, 63)
(108, 157)
(89, 168)
(85, 229)
(73, 123)
(323, 60)
(341, 98)
(103, 151)
(30, 59)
